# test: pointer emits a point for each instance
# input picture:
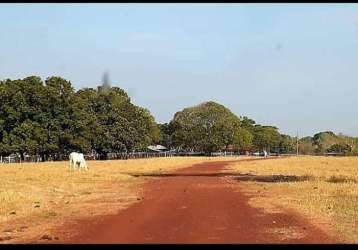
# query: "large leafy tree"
(266, 137)
(243, 139)
(287, 144)
(166, 134)
(20, 116)
(248, 124)
(305, 145)
(58, 116)
(328, 141)
(206, 127)
(339, 148)
(323, 140)
(113, 123)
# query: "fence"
(110, 156)
(137, 155)
(27, 158)
(9, 159)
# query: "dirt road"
(196, 206)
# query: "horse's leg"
(71, 165)
(86, 167)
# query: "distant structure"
(105, 82)
(157, 148)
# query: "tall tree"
(323, 140)
(206, 127)
(266, 137)
(114, 123)
(243, 139)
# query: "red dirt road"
(195, 209)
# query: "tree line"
(49, 117)
(329, 142)
(210, 127)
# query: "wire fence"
(16, 158)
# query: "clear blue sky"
(290, 65)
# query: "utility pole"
(297, 144)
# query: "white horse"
(77, 160)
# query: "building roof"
(156, 147)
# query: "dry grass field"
(36, 198)
(323, 188)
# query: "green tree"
(287, 144)
(323, 140)
(306, 146)
(339, 148)
(206, 127)
(248, 124)
(166, 134)
(49, 117)
(58, 115)
(113, 123)
(243, 139)
(20, 110)
(266, 137)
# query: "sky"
(294, 66)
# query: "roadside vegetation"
(329, 142)
(50, 118)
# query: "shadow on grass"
(236, 176)
(215, 174)
(274, 178)
(341, 179)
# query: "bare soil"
(197, 205)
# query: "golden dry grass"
(329, 196)
(35, 197)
